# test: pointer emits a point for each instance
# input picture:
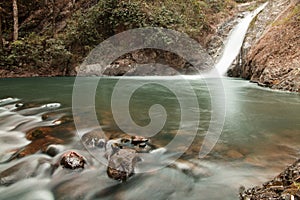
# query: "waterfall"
(235, 41)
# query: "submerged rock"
(233, 154)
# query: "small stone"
(142, 145)
(53, 150)
(72, 160)
(101, 143)
(18, 105)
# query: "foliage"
(88, 28)
(37, 51)
(90, 25)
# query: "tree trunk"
(16, 21)
(1, 39)
(53, 11)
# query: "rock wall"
(271, 57)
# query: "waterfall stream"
(235, 41)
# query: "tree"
(2, 11)
(1, 38)
(16, 20)
(53, 16)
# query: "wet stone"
(121, 164)
(137, 143)
(53, 150)
(135, 140)
(72, 160)
(95, 138)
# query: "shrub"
(36, 51)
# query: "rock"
(284, 186)
(270, 54)
(192, 169)
(121, 164)
(95, 138)
(124, 155)
(138, 143)
(53, 150)
(119, 68)
(254, 161)
(72, 160)
(135, 140)
(154, 69)
(215, 46)
(144, 56)
(232, 154)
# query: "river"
(256, 131)
(259, 138)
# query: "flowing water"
(235, 40)
(260, 137)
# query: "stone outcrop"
(271, 58)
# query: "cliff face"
(274, 61)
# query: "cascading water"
(235, 41)
(15, 123)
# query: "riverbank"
(285, 186)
